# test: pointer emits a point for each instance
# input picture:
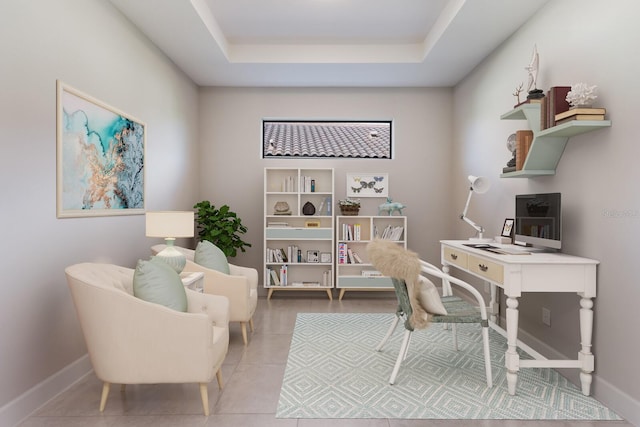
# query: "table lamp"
(479, 185)
(170, 225)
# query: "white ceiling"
(390, 43)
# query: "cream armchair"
(241, 287)
(131, 341)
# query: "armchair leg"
(251, 325)
(204, 395)
(243, 325)
(105, 395)
(219, 378)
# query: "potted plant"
(349, 206)
(222, 227)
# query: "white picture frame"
(367, 184)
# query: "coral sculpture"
(582, 95)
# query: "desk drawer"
(456, 257)
(492, 271)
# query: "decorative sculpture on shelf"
(390, 206)
(517, 93)
(511, 146)
(582, 95)
(532, 68)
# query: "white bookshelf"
(355, 273)
(306, 241)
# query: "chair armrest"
(215, 307)
(236, 288)
(250, 273)
(431, 270)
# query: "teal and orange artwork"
(102, 157)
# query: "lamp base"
(172, 256)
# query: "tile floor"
(253, 377)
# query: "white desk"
(537, 272)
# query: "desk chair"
(458, 309)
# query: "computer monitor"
(538, 220)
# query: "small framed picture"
(507, 228)
(313, 256)
(325, 257)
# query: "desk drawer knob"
(454, 257)
(483, 268)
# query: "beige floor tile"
(253, 389)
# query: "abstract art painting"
(100, 157)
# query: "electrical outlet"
(546, 316)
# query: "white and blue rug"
(333, 371)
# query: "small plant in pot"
(222, 227)
(349, 206)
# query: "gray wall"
(88, 45)
(232, 167)
(578, 41)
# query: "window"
(326, 139)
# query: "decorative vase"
(308, 209)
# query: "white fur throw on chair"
(394, 261)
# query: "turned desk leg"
(585, 356)
(512, 359)
(493, 304)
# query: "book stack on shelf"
(351, 232)
(277, 279)
(307, 184)
(347, 256)
(580, 114)
(390, 233)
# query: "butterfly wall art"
(367, 184)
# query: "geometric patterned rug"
(333, 371)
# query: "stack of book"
(524, 139)
(580, 114)
(554, 103)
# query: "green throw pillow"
(156, 281)
(209, 255)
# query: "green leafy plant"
(222, 227)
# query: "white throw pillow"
(429, 297)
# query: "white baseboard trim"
(621, 403)
(28, 402)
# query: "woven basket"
(349, 210)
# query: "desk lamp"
(479, 185)
(170, 225)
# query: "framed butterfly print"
(367, 184)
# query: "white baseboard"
(603, 391)
(28, 402)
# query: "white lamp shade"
(168, 224)
(479, 184)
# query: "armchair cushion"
(157, 282)
(209, 255)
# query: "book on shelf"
(306, 284)
(350, 256)
(357, 258)
(283, 275)
(342, 253)
(288, 184)
(275, 280)
(508, 169)
(277, 224)
(557, 103)
(326, 278)
(523, 143)
(580, 117)
(581, 111)
(371, 273)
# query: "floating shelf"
(549, 144)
